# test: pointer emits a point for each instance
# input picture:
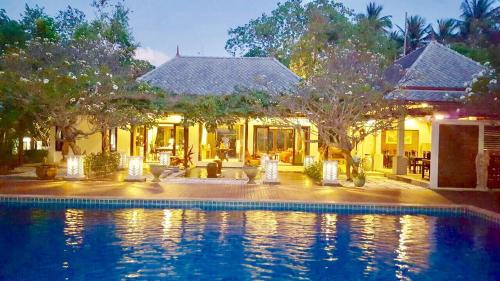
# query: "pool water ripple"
(186, 244)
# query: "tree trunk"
(349, 164)
(105, 147)
(75, 148)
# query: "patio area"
(293, 187)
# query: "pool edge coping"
(465, 209)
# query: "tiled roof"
(432, 71)
(426, 95)
(218, 75)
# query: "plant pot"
(251, 173)
(359, 181)
(46, 172)
(156, 171)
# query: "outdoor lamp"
(135, 169)
(165, 158)
(308, 161)
(263, 161)
(74, 167)
(123, 161)
(330, 172)
(271, 172)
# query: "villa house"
(437, 141)
(185, 75)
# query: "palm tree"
(375, 19)
(417, 32)
(446, 31)
(478, 17)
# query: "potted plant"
(251, 169)
(46, 171)
(360, 179)
(358, 174)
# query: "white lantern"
(123, 161)
(165, 158)
(263, 161)
(135, 169)
(271, 172)
(308, 161)
(330, 172)
(74, 169)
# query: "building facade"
(437, 142)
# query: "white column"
(434, 155)
(480, 149)
(51, 153)
(400, 162)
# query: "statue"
(482, 163)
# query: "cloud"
(153, 56)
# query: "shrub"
(315, 171)
(35, 156)
(101, 164)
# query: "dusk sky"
(200, 27)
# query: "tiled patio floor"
(294, 187)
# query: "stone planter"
(212, 170)
(46, 172)
(359, 181)
(251, 173)
(156, 171)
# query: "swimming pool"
(55, 243)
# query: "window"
(224, 143)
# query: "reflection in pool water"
(54, 244)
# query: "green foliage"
(68, 20)
(478, 54)
(34, 156)
(101, 164)
(479, 21)
(277, 33)
(315, 171)
(11, 32)
(417, 32)
(216, 110)
(374, 18)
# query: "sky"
(199, 27)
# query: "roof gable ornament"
(177, 54)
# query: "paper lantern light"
(165, 158)
(74, 169)
(330, 172)
(135, 167)
(123, 161)
(271, 172)
(308, 161)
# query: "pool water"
(190, 244)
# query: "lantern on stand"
(123, 161)
(165, 158)
(135, 167)
(330, 173)
(74, 169)
(263, 162)
(308, 161)
(271, 172)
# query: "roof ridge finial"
(177, 54)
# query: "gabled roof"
(221, 75)
(432, 73)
